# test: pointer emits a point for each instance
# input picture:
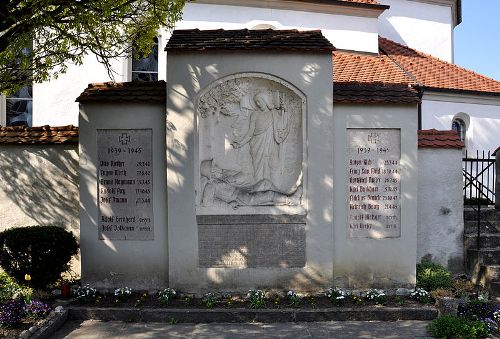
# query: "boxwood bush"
(42, 252)
(449, 326)
(431, 276)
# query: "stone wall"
(440, 207)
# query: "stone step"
(486, 240)
(485, 274)
(470, 227)
(485, 256)
(489, 213)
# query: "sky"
(477, 38)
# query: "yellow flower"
(27, 277)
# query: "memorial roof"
(245, 39)
(39, 135)
(357, 92)
(433, 138)
(134, 91)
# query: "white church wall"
(423, 26)
(438, 111)
(348, 32)
(440, 208)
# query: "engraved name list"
(125, 178)
(373, 172)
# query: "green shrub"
(431, 276)
(9, 289)
(448, 326)
(41, 252)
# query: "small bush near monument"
(431, 276)
(40, 252)
(448, 326)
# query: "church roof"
(434, 73)
(398, 64)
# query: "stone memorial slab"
(125, 184)
(374, 181)
(252, 245)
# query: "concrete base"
(248, 316)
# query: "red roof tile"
(266, 39)
(434, 73)
(39, 135)
(439, 139)
(135, 91)
(366, 68)
(356, 92)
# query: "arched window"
(459, 126)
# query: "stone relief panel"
(251, 146)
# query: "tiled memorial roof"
(369, 2)
(434, 73)
(39, 135)
(439, 139)
(134, 91)
(356, 92)
(244, 39)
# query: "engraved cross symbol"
(373, 138)
(124, 139)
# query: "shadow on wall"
(39, 186)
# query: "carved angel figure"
(268, 128)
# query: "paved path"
(92, 329)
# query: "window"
(459, 126)
(19, 107)
(146, 69)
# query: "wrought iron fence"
(479, 178)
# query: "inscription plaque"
(125, 184)
(252, 245)
(373, 172)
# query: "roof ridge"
(433, 58)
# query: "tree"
(39, 38)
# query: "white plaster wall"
(117, 263)
(39, 186)
(483, 132)
(419, 25)
(311, 74)
(343, 31)
(440, 207)
(363, 262)
(54, 101)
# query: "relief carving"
(251, 144)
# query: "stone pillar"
(497, 182)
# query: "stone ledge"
(47, 327)
(247, 315)
(250, 219)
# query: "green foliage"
(431, 276)
(9, 289)
(41, 252)
(210, 300)
(448, 326)
(64, 31)
(256, 298)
